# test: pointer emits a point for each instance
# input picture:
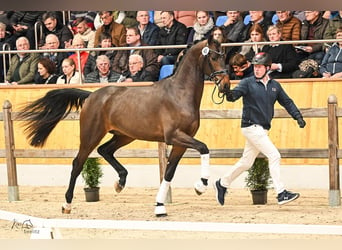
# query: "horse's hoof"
(66, 208)
(118, 188)
(160, 211)
(200, 188)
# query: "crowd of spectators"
(54, 30)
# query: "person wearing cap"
(259, 93)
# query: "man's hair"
(102, 58)
(49, 14)
(104, 36)
(238, 60)
(136, 56)
(135, 29)
(105, 11)
(171, 13)
(78, 21)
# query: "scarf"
(200, 31)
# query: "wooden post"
(334, 174)
(13, 192)
(162, 152)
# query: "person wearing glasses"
(136, 72)
(116, 30)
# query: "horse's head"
(214, 64)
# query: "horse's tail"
(43, 114)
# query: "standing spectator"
(46, 72)
(288, 25)
(105, 42)
(172, 33)
(84, 32)
(313, 28)
(23, 65)
(78, 43)
(133, 39)
(149, 31)
(257, 17)
(331, 66)
(256, 35)
(202, 27)
(284, 57)
(257, 114)
(103, 73)
(136, 72)
(52, 25)
(186, 17)
(23, 22)
(70, 75)
(116, 30)
(52, 43)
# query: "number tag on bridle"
(205, 51)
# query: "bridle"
(206, 51)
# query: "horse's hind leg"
(173, 160)
(107, 151)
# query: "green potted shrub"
(258, 180)
(91, 174)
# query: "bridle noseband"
(213, 76)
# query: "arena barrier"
(332, 152)
(48, 228)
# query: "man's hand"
(301, 122)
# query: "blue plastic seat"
(165, 71)
(275, 18)
(221, 20)
(247, 19)
(151, 13)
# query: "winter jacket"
(334, 24)
(94, 77)
(62, 31)
(332, 61)
(27, 68)
(290, 29)
(150, 35)
(117, 32)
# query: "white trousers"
(257, 140)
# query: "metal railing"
(156, 47)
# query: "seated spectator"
(257, 17)
(331, 66)
(23, 65)
(149, 31)
(46, 72)
(172, 33)
(284, 57)
(116, 30)
(52, 43)
(218, 34)
(22, 23)
(52, 25)
(84, 31)
(334, 24)
(186, 17)
(233, 27)
(103, 73)
(289, 25)
(105, 42)
(313, 28)
(202, 27)
(78, 43)
(88, 16)
(70, 75)
(136, 72)
(240, 67)
(256, 35)
(133, 39)
(4, 39)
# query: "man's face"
(131, 37)
(283, 15)
(256, 16)
(103, 67)
(233, 15)
(106, 18)
(50, 24)
(135, 65)
(51, 42)
(143, 17)
(81, 27)
(311, 16)
(167, 19)
(259, 70)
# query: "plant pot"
(259, 197)
(92, 194)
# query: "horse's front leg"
(173, 160)
(69, 195)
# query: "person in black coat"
(172, 33)
(149, 31)
(46, 70)
(285, 60)
(136, 72)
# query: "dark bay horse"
(166, 111)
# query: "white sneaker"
(200, 188)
